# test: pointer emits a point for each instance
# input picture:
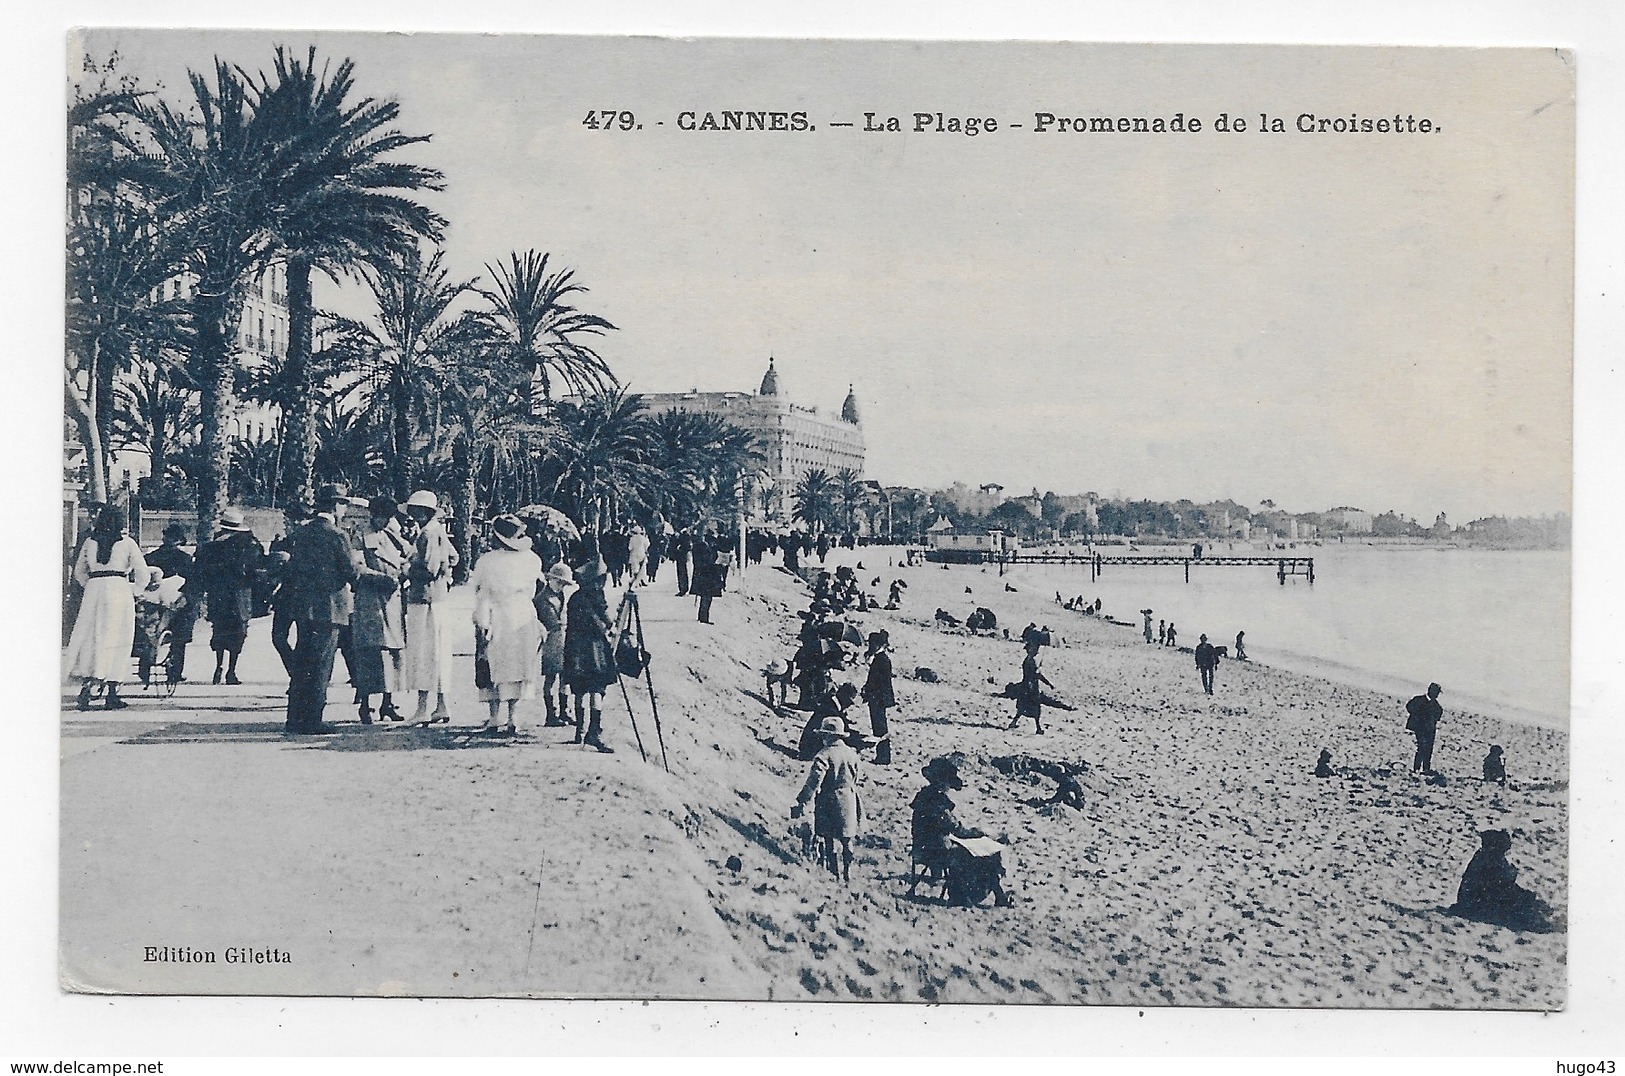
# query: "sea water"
(1491, 626)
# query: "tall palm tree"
(216, 193)
(119, 254)
(341, 204)
(483, 422)
(531, 312)
(815, 498)
(851, 495)
(406, 350)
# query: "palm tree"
(119, 254)
(600, 464)
(341, 204)
(912, 510)
(347, 448)
(216, 192)
(483, 422)
(405, 351)
(814, 496)
(157, 408)
(531, 312)
(700, 457)
(851, 495)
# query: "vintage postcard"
(816, 520)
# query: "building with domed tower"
(792, 438)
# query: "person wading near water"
(320, 572)
(426, 667)
(1207, 660)
(832, 789)
(589, 659)
(877, 692)
(1424, 713)
(104, 630)
(1149, 635)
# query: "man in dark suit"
(319, 572)
(1207, 660)
(1425, 712)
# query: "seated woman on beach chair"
(953, 855)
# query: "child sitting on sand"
(1495, 768)
(1489, 891)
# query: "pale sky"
(1375, 320)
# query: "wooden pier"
(1284, 566)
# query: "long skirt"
(426, 664)
(516, 638)
(375, 670)
(104, 632)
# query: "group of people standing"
(381, 601)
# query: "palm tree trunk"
(102, 403)
(158, 444)
(84, 417)
(216, 327)
(462, 457)
(401, 436)
(298, 418)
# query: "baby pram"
(157, 610)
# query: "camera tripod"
(628, 634)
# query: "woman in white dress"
(99, 648)
(507, 633)
(426, 665)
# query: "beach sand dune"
(1206, 867)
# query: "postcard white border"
(57, 1025)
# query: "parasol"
(551, 516)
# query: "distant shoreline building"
(792, 438)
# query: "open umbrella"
(551, 516)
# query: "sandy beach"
(1207, 867)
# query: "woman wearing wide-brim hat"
(104, 628)
(589, 660)
(832, 789)
(549, 603)
(508, 635)
(224, 572)
(426, 667)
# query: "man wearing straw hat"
(426, 664)
(319, 573)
